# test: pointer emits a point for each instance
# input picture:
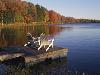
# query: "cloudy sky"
(73, 8)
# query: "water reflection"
(52, 68)
(83, 40)
(12, 35)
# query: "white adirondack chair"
(30, 40)
(44, 42)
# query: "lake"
(83, 41)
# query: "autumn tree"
(8, 16)
(41, 13)
(2, 9)
(31, 13)
(12, 11)
(53, 16)
(46, 19)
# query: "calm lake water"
(83, 41)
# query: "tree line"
(17, 11)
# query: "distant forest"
(17, 11)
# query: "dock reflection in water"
(57, 67)
(50, 67)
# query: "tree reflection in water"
(15, 35)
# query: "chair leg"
(52, 45)
(44, 46)
(40, 47)
(48, 47)
(39, 42)
(25, 45)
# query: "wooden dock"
(42, 55)
(33, 56)
(8, 56)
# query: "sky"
(72, 8)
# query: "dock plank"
(33, 56)
(42, 55)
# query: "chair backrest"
(29, 37)
(42, 36)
